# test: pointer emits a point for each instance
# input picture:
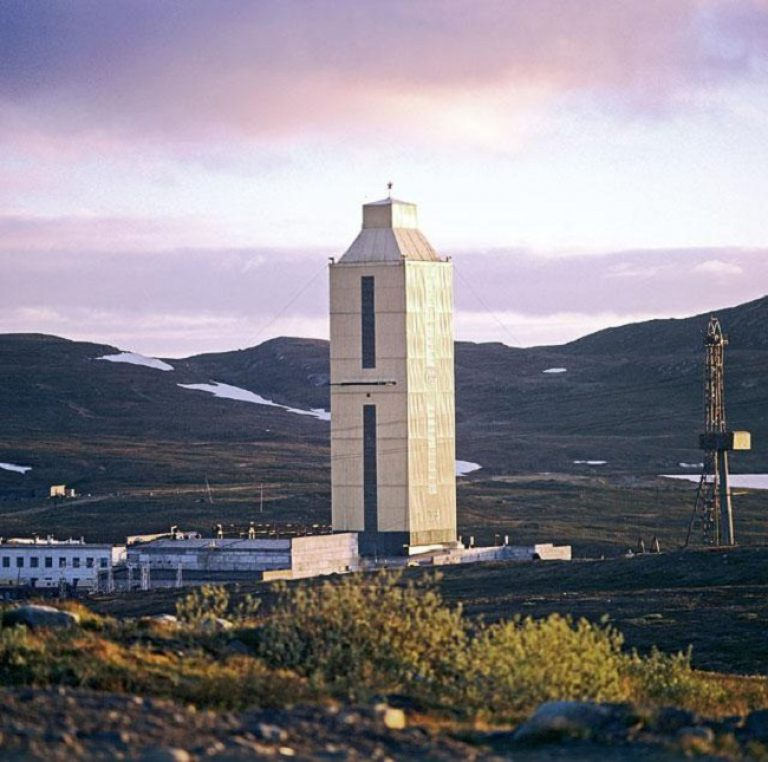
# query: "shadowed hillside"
(630, 396)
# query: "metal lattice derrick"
(712, 509)
(706, 509)
(714, 377)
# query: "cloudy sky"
(174, 175)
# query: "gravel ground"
(64, 724)
(69, 724)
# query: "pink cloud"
(29, 234)
(189, 300)
(719, 267)
(201, 71)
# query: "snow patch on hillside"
(745, 481)
(136, 359)
(464, 467)
(14, 467)
(228, 392)
(555, 370)
(590, 462)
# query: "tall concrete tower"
(392, 388)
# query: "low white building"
(48, 562)
(189, 561)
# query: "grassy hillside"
(144, 448)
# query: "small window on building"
(63, 562)
(34, 562)
(48, 562)
(103, 563)
(20, 561)
(89, 562)
(6, 562)
(76, 562)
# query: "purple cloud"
(181, 301)
(199, 70)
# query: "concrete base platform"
(540, 552)
(460, 555)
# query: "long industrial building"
(169, 562)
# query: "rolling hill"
(630, 396)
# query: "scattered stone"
(697, 739)
(757, 725)
(671, 719)
(237, 646)
(164, 619)
(349, 717)
(165, 754)
(393, 719)
(36, 616)
(555, 720)
(216, 625)
(270, 733)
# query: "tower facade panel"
(392, 387)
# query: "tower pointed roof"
(390, 234)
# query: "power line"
(289, 303)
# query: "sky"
(174, 175)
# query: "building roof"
(390, 234)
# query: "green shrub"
(206, 604)
(670, 679)
(364, 635)
(203, 605)
(246, 610)
(88, 660)
(24, 658)
(515, 665)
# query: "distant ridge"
(630, 396)
(747, 323)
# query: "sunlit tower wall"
(392, 387)
(713, 505)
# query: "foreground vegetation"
(358, 638)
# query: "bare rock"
(165, 754)
(671, 719)
(756, 725)
(36, 616)
(169, 619)
(270, 733)
(216, 625)
(393, 718)
(557, 720)
(696, 739)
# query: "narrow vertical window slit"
(368, 321)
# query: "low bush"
(372, 634)
(81, 658)
(366, 634)
(513, 666)
(207, 603)
(362, 636)
(23, 657)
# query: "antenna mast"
(713, 505)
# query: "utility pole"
(713, 507)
